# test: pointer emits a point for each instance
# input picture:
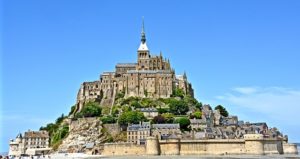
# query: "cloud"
(246, 90)
(276, 103)
(277, 106)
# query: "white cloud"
(278, 106)
(276, 103)
(246, 90)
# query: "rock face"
(85, 135)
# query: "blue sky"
(244, 55)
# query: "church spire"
(143, 45)
(143, 35)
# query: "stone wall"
(212, 147)
(119, 149)
(113, 129)
(273, 147)
(290, 148)
(251, 145)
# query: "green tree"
(162, 110)
(72, 109)
(108, 119)
(115, 111)
(91, 109)
(222, 110)
(192, 102)
(60, 119)
(183, 122)
(169, 117)
(60, 134)
(178, 107)
(159, 119)
(133, 117)
(197, 115)
(120, 95)
(136, 104)
(178, 93)
(51, 128)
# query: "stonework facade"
(151, 76)
(137, 133)
(32, 141)
(252, 144)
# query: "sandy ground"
(83, 156)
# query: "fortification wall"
(251, 145)
(290, 148)
(273, 147)
(170, 147)
(119, 149)
(212, 147)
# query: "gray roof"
(126, 64)
(259, 124)
(198, 121)
(19, 135)
(107, 73)
(165, 126)
(148, 110)
(141, 126)
(149, 71)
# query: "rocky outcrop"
(85, 135)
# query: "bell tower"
(143, 51)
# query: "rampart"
(253, 144)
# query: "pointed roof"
(19, 136)
(143, 45)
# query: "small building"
(164, 131)
(230, 120)
(149, 113)
(32, 143)
(137, 133)
(198, 124)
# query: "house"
(31, 143)
(164, 131)
(137, 133)
(149, 113)
(198, 124)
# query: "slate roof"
(149, 71)
(198, 121)
(126, 64)
(141, 126)
(148, 110)
(165, 126)
(36, 134)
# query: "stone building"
(164, 131)
(149, 113)
(33, 142)
(198, 124)
(137, 133)
(150, 76)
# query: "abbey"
(150, 77)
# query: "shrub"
(222, 110)
(169, 117)
(178, 107)
(132, 117)
(159, 119)
(108, 120)
(183, 122)
(91, 109)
